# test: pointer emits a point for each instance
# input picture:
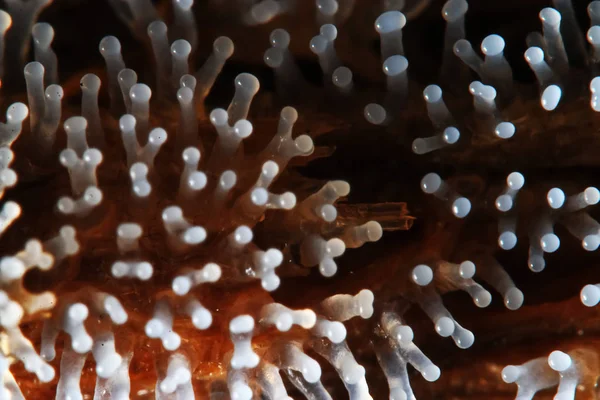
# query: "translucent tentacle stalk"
(229, 140)
(82, 171)
(496, 276)
(448, 137)
(241, 329)
(5, 24)
(81, 207)
(264, 264)
(571, 32)
(207, 74)
(323, 45)
(342, 307)
(10, 131)
(270, 382)
(283, 318)
(567, 367)
(8, 214)
(43, 34)
(264, 11)
(177, 378)
(283, 147)
(279, 57)
(24, 14)
(136, 14)
(315, 250)
(246, 86)
(342, 79)
(51, 120)
(110, 48)
(495, 68)
(454, 13)
(183, 283)
(127, 79)
(8, 177)
(505, 203)
(181, 233)
(140, 95)
(551, 20)
(157, 32)
(187, 134)
(389, 26)
(463, 50)
(161, 326)
(351, 373)
(395, 68)
(593, 10)
(118, 386)
(185, 22)
(357, 236)
(71, 368)
(34, 79)
(433, 184)
(531, 377)
(90, 87)
(180, 52)
(192, 180)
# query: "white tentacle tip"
(403, 333)
(334, 330)
(365, 299)
(454, 9)
(551, 97)
(5, 21)
(591, 196)
(559, 361)
(550, 242)
(461, 207)
(444, 326)
(482, 299)
(431, 183)
(240, 391)
(375, 114)
(467, 269)
(507, 240)
(492, 45)
(422, 275)
(109, 365)
(591, 242)
(395, 65)
(465, 339)
(181, 48)
(515, 180)
(511, 373)
(115, 310)
(390, 21)
(505, 130)
(171, 341)
(110, 46)
(17, 112)
(551, 16)
(223, 47)
(194, 235)
(590, 295)
(181, 285)
(513, 299)
(555, 198)
(241, 324)
(431, 373)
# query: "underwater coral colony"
(195, 234)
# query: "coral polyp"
(173, 224)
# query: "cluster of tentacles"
(159, 254)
